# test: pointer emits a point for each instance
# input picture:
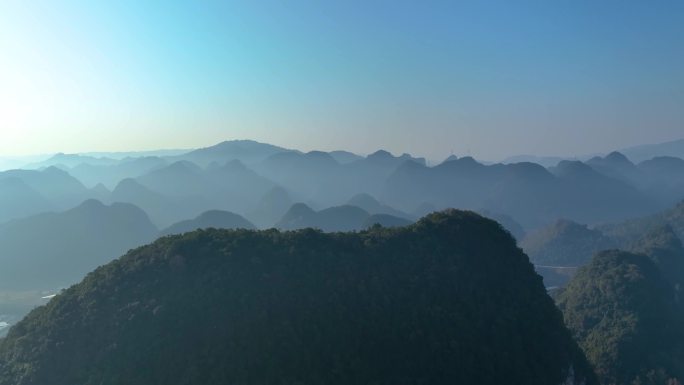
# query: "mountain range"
(237, 175)
(53, 250)
(450, 299)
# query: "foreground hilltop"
(627, 318)
(448, 300)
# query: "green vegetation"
(448, 300)
(624, 315)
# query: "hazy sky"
(490, 78)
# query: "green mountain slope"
(448, 300)
(623, 313)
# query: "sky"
(433, 78)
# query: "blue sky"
(488, 78)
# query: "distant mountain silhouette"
(507, 222)
(386, 158)
(664, 166)
(527, 192)
(617, 166)
(593, 197)
(12, 163)
(565, 243)
(544, 161)
(424, 209)
(70, 161)
(343, 157)
(270, 208)
(261, 181)
(307, 176)
(373, 206)
(246, 151)
(339, 218)
(640, 153)
(17, 200)
(230, 186)
(317, 176)
(101, 191)
(163, 210)
(385, 220)
(665, 249)
(59, 188)
(54, 250)
(211, 219)
(450, 158)
(237, 186)
(111, 174)
(182, 178)
(52, 181)
(663, 179)
(449, 300)
(627, 231)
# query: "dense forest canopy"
(450, 299)
(626, 318)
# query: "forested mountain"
(211, 219)
(559, 248)
(339, 193)
(625, 317)
(55, 250)
(449, 300)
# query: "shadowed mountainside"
(624, 315)
(448, 300)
